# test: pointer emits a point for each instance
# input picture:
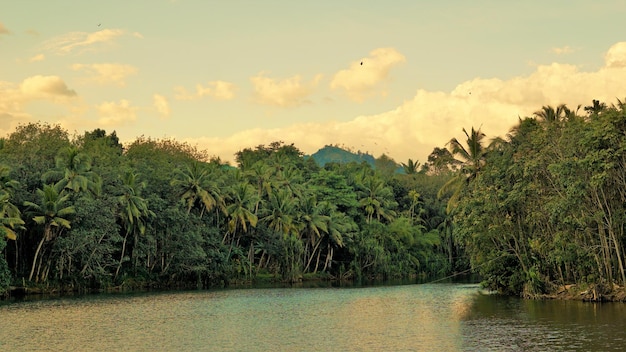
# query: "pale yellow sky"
(229, 75)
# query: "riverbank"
(589, 293)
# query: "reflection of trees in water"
(500, 323)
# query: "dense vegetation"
(84, 212)
(532, 212)
(546, 207)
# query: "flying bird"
(99, 24)
(361, 63)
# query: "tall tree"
(73, 172)
(133, 211)
(314, 226)
(411, 167)
(376, 198)
(196, 188)
(53, 214)
(471, 157)
(243, 200)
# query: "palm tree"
(10, 216)
(411, 167)
(196, 188)
(260, 174)
(133, 210)
(415, 210)
(52, 213)
(243, 200)
(280, 217)
(376, 198)
(314, 226)
(596, 108)
(73, 172)
(339, 225)
(6, 182)
(471, 157)
(551, 115)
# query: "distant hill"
(330, 154)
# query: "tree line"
(532, 212)
(85, 212)
(544, 207)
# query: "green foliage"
(5, 274)
(159, 213)
(545, 208)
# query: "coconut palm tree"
(280, 216)
(596, 108)
(376, 198)
(472, 157)
(72, 171)
(10, 217)
(53, 214)
(411, 167)
(314, 227)
(197, 189)
(243, 200)
(133, 210)
(260, 174)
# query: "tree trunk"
(121, 257)
(32, 270)
(92, 253)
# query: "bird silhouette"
(361, 63)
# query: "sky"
(384, 77)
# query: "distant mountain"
(330, 154)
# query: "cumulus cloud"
(82, 41)
(15, 98)
(616, 56)
(363, 77)
(161, 105)
(46, 87)
(115, 114)
(219, 90)
(287, 92)
(107, 73)
(431, 119)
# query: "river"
(427, 317)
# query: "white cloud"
(82, 41)
(219, 90)
(284, 93)
(107, 73)
(616, 56)
(45, 87)
(14, 99)
(115, 114)
(430, 119)
(161, 105)
(363, 77)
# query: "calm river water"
(429, 317)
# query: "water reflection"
(436, 317)
(509, 324)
